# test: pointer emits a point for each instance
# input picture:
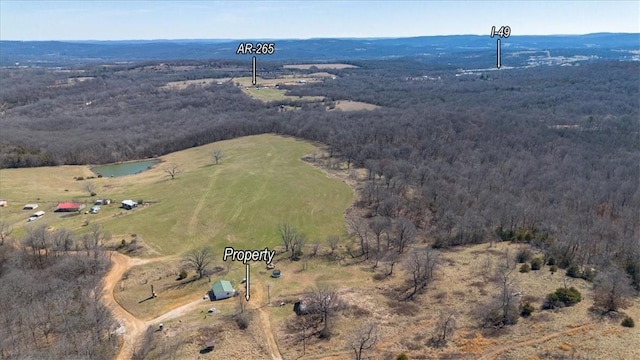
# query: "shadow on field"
(149, 298)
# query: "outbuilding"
(128, 204)
(30, 207)
(3, 203)
(222, 289)
(69, 207)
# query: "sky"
(190, 19)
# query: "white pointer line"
(247, 282)
(253, 67)
(498, 55)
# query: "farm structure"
(69, 207)
(221, 289)
(3, 203)
(128, 204)
(30, 207)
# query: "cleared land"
(284, 80)
(265, 90)
(320, 66)
(348, 105)
(261, 183)
(270, 94)
(181, 85)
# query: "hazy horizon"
(301, 20)
(313, 38)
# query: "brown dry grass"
(407, 326)
(134, 290)
(181, 85)
(348, 105)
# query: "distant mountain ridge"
(55, 53)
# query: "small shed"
(30, 207)
(69, 207)
(3, 203)
(222, 289)
(128, 204)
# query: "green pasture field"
(260, 183)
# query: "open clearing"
(261, 183)
(348, 105)
(270, 94)
(282, 80)
(320, 66)
(403, 326)
(181, 85)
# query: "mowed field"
(260, 183)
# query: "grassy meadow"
(260, 183)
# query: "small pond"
(123, 169)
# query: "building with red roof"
(69, 207)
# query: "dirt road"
(133, 326)
(258, 302)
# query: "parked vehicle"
(35, 216)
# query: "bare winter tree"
(39, 241)
(287, 234)
(217, 155)
(90, 188)
(304, 324)
(380, 226)
(324, 301)
(405, 232)
(172, 171)
(391, 259)
(421, 265)
(364, 338)
(5, 231)
(199, 259)
(445, 327)
(503, 310)
(612, 289)
(99, 237)
(361, 231)
(299, 240)
(62, 240)
(333, 241)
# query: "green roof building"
(222, 289)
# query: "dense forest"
(545, 155)
(50, 290)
